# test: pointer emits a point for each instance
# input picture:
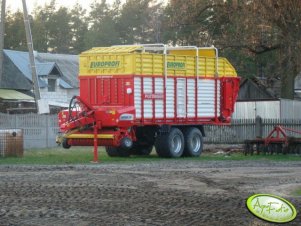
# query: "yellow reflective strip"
(90, 136)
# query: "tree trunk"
(287, 86)
(289, 71)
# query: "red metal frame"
(281, 136)
(224, 112)
(95, 159)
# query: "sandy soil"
(167, 192)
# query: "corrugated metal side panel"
(191, 98)
(297, 109)
(181, 97)
(278, 109)
(267, 109)
(290, 109)
(137, 96)
(244, 110)
(206, 98)
(170, 98)
(159, 104)
(251, 109)
(148, 104)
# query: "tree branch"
(257, 50)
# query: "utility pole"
(36, 90)
(31, 55)
(2, 32)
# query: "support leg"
(95, 160)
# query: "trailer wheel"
(117, 152)
(170, 145)
(126, 143)
(65, 144)
(193, 142)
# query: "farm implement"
(277, 142)
(135, 97)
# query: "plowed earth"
(167, 192)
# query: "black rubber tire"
(141, 149)
(117, 152)
(193, 141)
(65, 143)
(126, 143)
(160, 145)
(170, 145)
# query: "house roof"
(68, 65)
(21, 60)
(45, 68)
(255, 89)
(64, 84)
(10, 94)
(45, 64)
(12, 77)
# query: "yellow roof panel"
(10, 94)
(113, 49)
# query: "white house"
(57, 75)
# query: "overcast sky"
(17, 4)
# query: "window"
(51, 85)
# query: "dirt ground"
(167, 192)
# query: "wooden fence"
(39, 131)
(242, 129)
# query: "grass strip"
(84, 155)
